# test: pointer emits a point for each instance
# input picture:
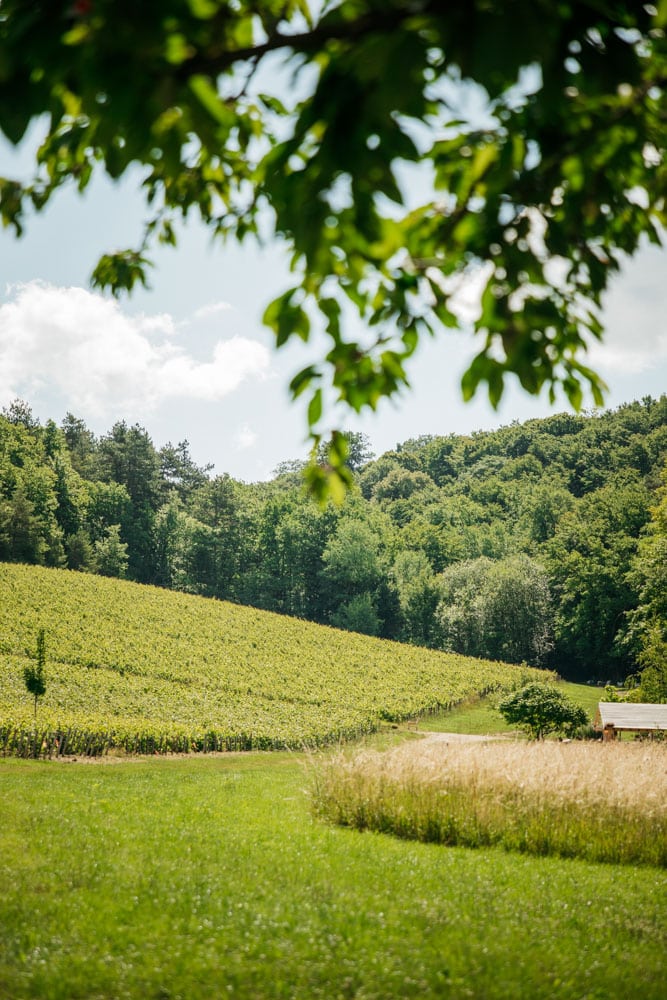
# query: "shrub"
(541, 709)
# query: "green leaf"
(11, 204)
(302, 380)
(208, 97)
(315, 408)
(177, 49)
(496, 386)
(477, 371)
(121, 271)
(287, 319)
(483, 159)
(204, 9)
(78, 34)
(273, 103)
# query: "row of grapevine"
(19, 739)
(146, 670)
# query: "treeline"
(544, 541)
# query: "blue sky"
(190, 358)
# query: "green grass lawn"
(481, 716)
(478, 716)
(586, 695)
(209, 877)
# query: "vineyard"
(143, 670)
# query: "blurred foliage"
(360, 152)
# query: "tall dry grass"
(601, 802)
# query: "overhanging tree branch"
(329, 172)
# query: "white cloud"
(245, 438)
(632, 357)
(635, 319)
(212, 309)
(84, 346)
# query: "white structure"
(614, 717)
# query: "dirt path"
(112, 758)
(463, 737)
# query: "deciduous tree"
(536, 197)
(500, 609)
(648, 621)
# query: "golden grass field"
(604, 802)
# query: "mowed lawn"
(481, 715)
(209, 877)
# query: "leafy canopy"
(343, 130)
(648, 621)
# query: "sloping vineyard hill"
(146, 670)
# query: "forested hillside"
(544, 541)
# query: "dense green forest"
(543, 542)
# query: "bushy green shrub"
(541, 709)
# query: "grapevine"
(144, 670)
